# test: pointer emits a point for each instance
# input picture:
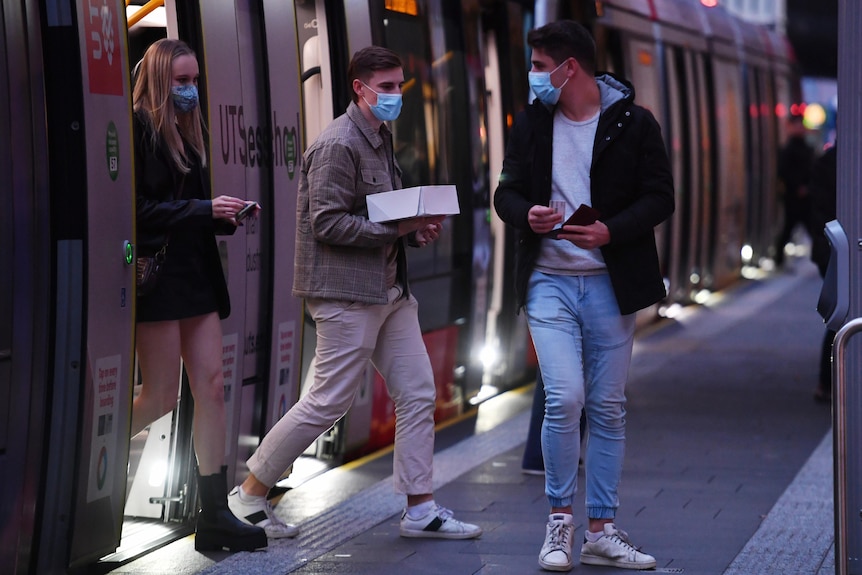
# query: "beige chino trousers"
(349, 335)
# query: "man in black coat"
(584, 142)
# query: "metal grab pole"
(839, 441)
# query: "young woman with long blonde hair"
(179, 317)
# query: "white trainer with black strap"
(613, 549)
(258, 511)
(438, 523)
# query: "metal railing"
(839, 441)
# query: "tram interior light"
(409, 7)
(158, 472)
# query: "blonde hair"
(152, 100)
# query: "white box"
(412, 202)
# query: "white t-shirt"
(570, 181)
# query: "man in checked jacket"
(353, 275)
(584, 141)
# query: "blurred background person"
(794, 169)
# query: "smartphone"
(248, 209)
(583, 216)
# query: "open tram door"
(94, 276)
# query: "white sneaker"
(438, 523)
(614, 549)
(556, 553)
(256, 510)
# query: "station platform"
(728, 467)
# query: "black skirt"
(186, 288)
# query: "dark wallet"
(583, 216)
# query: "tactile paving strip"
(328, 530)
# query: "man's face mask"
(540, 82)
(185, 97)
(388, 105)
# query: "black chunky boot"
(217, 527)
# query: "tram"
(76, 489)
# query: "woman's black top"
(176, 207)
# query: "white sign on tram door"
(103, 438)
(285, 388)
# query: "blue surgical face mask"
(388, 105)
(185, 97)
(541, 84)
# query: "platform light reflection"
(489, 355)
(702, 296)
(485, 392)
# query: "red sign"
(102, 43)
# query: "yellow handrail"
(145, 10)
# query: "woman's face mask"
(185, 97)
(540, 82)
(388, 106)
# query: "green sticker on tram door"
(290, 153)
(112, 150)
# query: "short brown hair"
(565, 39)
(367, 61)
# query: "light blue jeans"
(584, 346)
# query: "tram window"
(609, 51)
(434, 144)
(407, 37)
(414, 133)
(146, 31)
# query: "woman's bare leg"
(201, 344)
(158, 347)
